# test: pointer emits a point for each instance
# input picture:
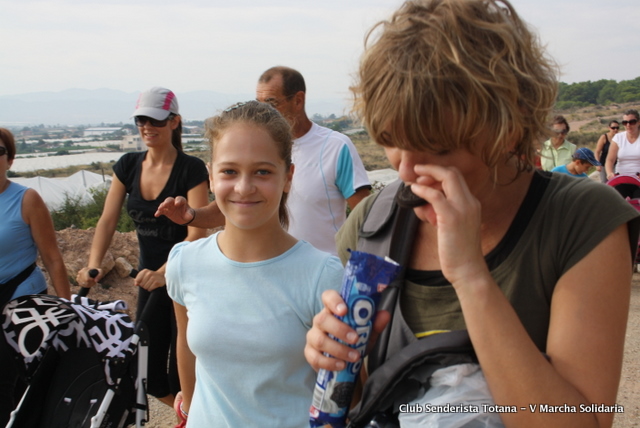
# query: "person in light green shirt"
(557, 151)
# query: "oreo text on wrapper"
(365, 277)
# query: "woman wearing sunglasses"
(625, 149)
(148, 178)
(602, 148)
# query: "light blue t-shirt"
(564, 170)
(247, 328)
(17, 248)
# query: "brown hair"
(560, 120)
(292, 80)
(9, 142)
(632, 112)
(446, 74)
(264, 116)
(176, 135)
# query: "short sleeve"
(125, 168)
(618, 137)
(172, 273)
(350, 174)
(330, 279)
(194, 172)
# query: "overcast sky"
(223, 46)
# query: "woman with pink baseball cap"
(147, 178)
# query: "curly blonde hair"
(264, 116)
(440, 75)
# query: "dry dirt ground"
(75, 245)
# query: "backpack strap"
(8, 288)
(399, 364)
(388, 230)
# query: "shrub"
(73, 213)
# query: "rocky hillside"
(75, 245)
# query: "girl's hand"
(325, 323)
(456, 215)
(181, 409)
(149, 279)
(176, 209)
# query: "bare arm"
(105, 229)
(36, 215)
(149, 279)
(588, 314)
(186, 359)
(198, 197)
(599, 146)
(178, 211)
(612, 157)
(360, 194)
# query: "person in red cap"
(147, 178)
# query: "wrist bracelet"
(185, 414)
(192, 218)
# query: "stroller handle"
(84, 291)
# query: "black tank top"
(605, 150)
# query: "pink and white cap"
(156, 103)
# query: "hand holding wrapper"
(365, 277)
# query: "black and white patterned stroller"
(85, 364)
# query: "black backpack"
(399, 365)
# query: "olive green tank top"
(560, 221)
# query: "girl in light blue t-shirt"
(245, 297)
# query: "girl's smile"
(248, 176)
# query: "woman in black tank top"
(602, 148)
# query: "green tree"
(602, 92)
(628, 90)
(607, 93)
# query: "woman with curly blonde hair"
(459, 94)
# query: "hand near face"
(456, 215)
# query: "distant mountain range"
(106, 106)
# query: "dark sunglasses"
(614, 127)
(3, 151)
(630, 122)
(561, 131)
(142, 121)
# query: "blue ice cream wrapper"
(365, 277)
